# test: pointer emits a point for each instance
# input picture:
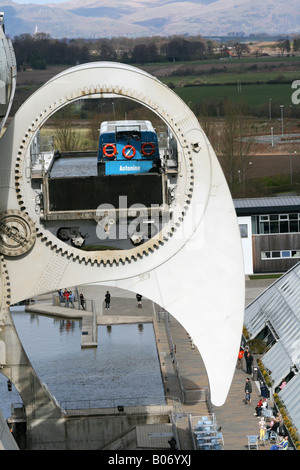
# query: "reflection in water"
(125, 364)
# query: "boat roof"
(113, 126)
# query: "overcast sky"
(40, 2)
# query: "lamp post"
(291, 168)
(281, 109)
(270, 102)
(272, 137)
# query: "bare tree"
(234, 147)
(65, 136)
(240, 48)
(284, 45)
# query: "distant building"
(270, 232)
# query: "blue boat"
(128, 147)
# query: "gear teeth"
(105, 259)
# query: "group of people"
(265, 430)
(67, 296)
(274, 426)
(275, 423)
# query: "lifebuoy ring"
(128, 151)
(109, 150)
(148, 149)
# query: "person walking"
(107, 300)
(139, 300)
(248, 391)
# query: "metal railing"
(54, 298)
(88, 303)
(119, 403)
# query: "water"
(125, 364)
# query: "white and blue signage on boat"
(127, 147)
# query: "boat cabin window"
(128, 133)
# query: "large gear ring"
(17, 233)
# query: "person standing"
(248, 391)
(249, 361)
(82, 301)
(240, 358)
(71, 299)
(61, 295)
(107, 300)
(262, 428)
(66, 297)
(139, 300)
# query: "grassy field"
(233, 77)
(255, 94)
(253, 75)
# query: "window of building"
(283, 254)
(243, 230)
(275, 223)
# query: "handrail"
(114, 402)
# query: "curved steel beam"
(193, 267)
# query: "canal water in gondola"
(123, 369)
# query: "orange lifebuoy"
(111, 149)
(128, 151)
(149, 152)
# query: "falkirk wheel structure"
(192, 266)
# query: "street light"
(281, 109)
(270, 101)
(272, 137)
(291, 167)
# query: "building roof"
(279, 308)
(267, 205)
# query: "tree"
(234, 150)
(284, 45)
(143, 53)
(65, 136)
(296, 44)
(240, 48)
(39, 50)
(106, 51)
